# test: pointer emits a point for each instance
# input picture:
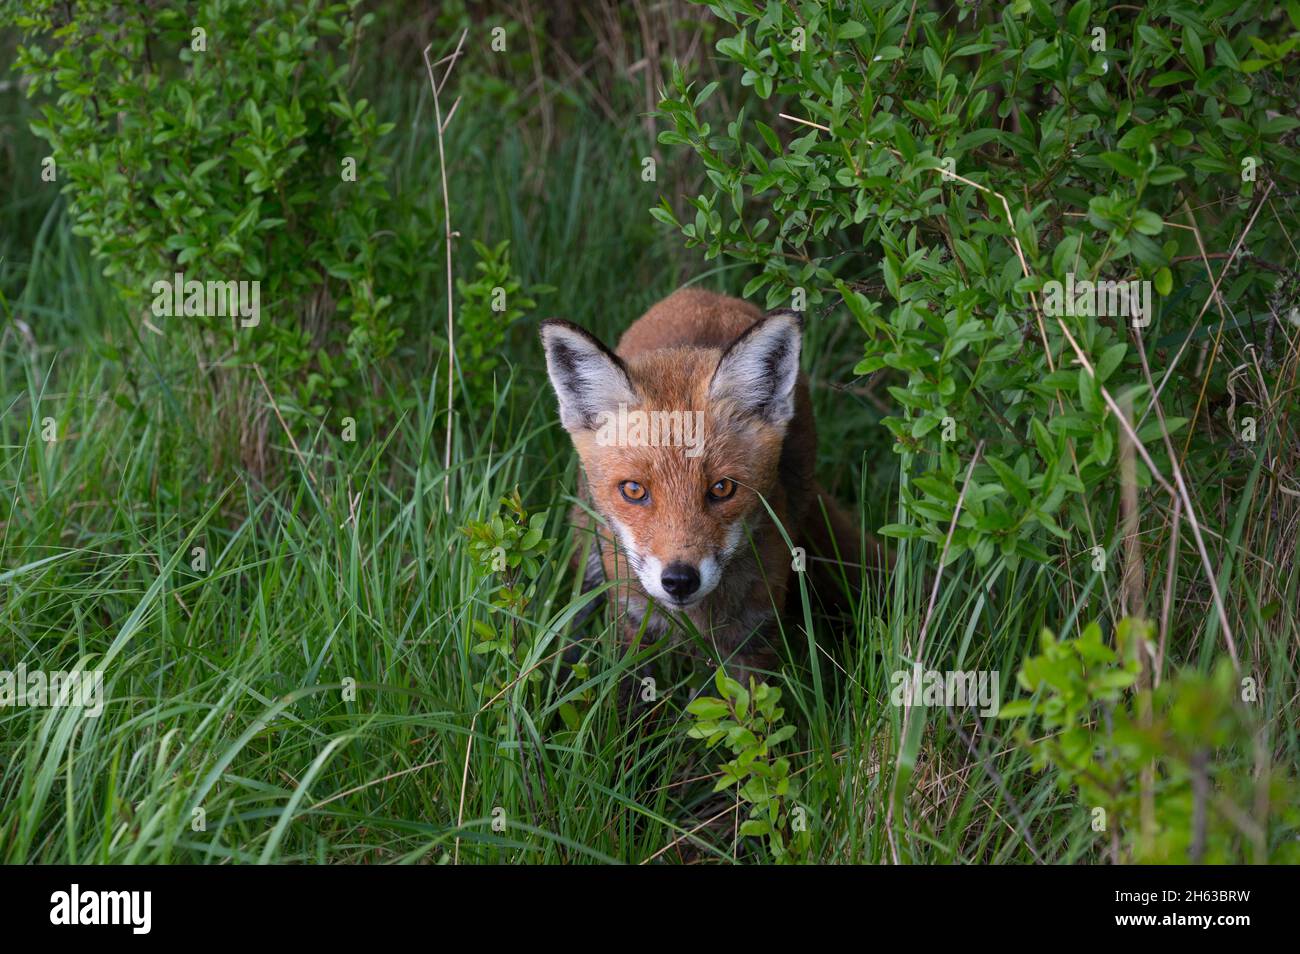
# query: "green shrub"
(1123, 140)
(748, 724)
(508, 550)
(487, 306)
(220, 140)
(1211, 800)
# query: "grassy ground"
(230, 734)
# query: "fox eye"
(723, 489)
(633, 492)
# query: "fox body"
(684, 431)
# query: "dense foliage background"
(331, 603)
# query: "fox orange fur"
(681, 522)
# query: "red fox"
(699, 415)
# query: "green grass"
(226, 686)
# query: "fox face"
(680, 445)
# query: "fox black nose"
(680, 580)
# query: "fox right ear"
(759, 370)
(589, 379)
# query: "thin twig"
(1022, 826)
(376, 781)
(1190, 513)
(1167, 610)
(680, 838)
(1214, 296)
(288, 433)
(441, 128)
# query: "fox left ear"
(759, 369)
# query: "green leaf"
(1122, 164)
(707, 707)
